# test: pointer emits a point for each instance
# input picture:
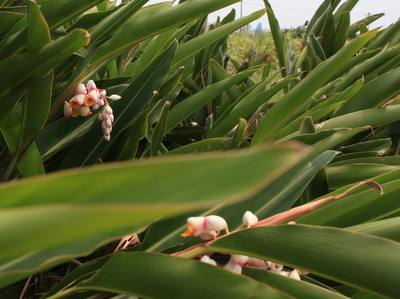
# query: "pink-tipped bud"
(277, 268)
(107, 131)
(90, 85)
(256, 263)
(292, 222)
(107, 137)
(108, 123)
(241, 260)
(108, 109)
(249, 219)
(206, 259)
(100, 117)
(103, 93)
(114, 97)
(100, 102)
(81, 89)
(103, 126)
(95, 107)
(111, 117)
(67, 109)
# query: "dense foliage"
(96, 209)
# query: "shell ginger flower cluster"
(209, 227)
(89, 98)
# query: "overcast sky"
(293, 13)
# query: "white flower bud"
(95, 107)
(111, 117)
(249, 219)
(114, 97)
(295, 274)
(235, 268)
(215, 223)
(67, 109)
(206, 259)
(80, 99)
(107, 137)
(84, 111)
(208, 235)
(108, 123)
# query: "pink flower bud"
(81, 89)
(103, 93)
(276, 267)
(107, 137)
(256, 263)
(111, 117)
(90, 85)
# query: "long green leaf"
(175, 277)
(329, 252)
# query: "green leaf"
(196, 44)
(369, 117)
(279, 39)
(159, 131)
(369, 66)
(38, 31)
(328, 252)
(293, 287)
(175, 277)
(38, 62)
(110, 24)
(30, 164)
(36, 107)
(199, 99)
(279, 114)
(158, 22)
(57, 12)
(378, 91)
(354, 28)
